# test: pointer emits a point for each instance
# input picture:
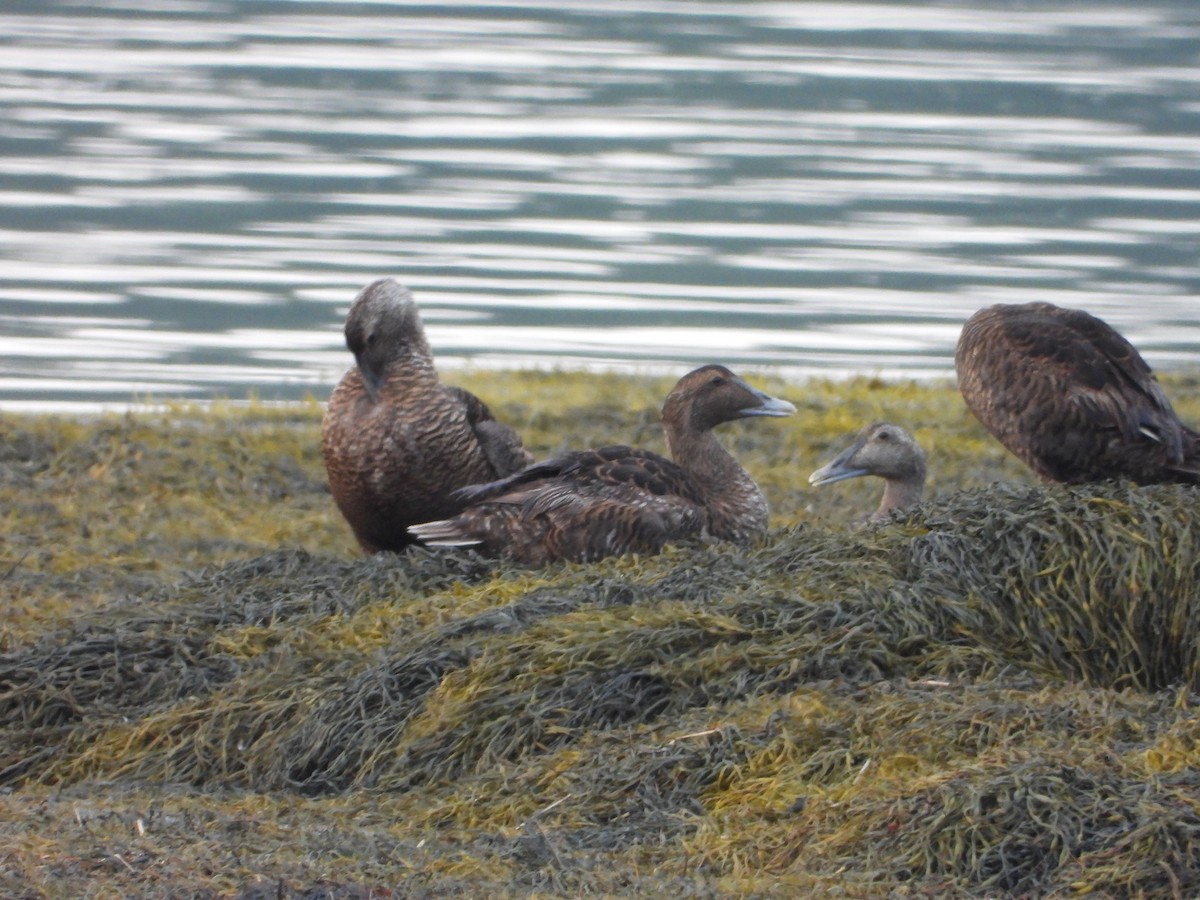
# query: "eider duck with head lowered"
(1071, 397)
(888, 452)
(595, 503)
(396, 441)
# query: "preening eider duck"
(396, 441)
(1071, 397)
(595, 503)
(888, 452)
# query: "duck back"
(1071, 397)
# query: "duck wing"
(581, 506)
(501, 445)
(1115, 386)
(615, 468)
(1067, 394)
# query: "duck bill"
(767, 405)
(372, 380)
(837, 469)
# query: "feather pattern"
(1071, 397)
(396, 442)
(613, 500)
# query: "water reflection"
(193, 195)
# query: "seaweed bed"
(205, 692)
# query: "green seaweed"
(205, 691)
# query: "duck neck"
(899, 493)
(737, 508)
(407, 371)
(416, 364)
(403, 356)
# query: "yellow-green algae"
(205, 692)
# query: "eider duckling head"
(383, 327)
(888, 452)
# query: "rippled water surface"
(190, 197)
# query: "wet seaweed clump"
(1097, 583)
(990, 694)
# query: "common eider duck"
(888, 452)
(596, 503)
(396, 441)
(1071, 397)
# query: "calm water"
(190, 197)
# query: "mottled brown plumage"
(1071, 397)
(615, 500)
(397, 442)
(888, 452)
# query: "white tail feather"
(443, 533)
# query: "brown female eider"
(1071, 397)
(396, 441)
(887, 451)
(607, 502)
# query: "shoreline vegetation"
(207, 692)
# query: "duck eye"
(885, 435)
(717, 381)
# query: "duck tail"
(443, 533)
